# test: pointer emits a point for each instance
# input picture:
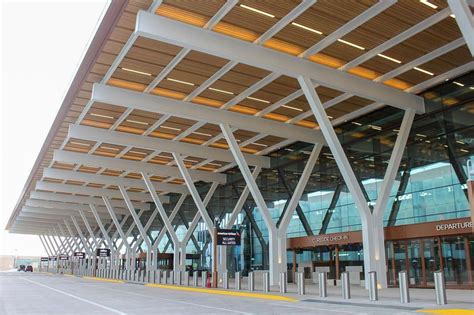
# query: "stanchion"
(251, 281)
(323, 285)
(225, 280)
(300, 282)
(266, 282)
(283, 284)
(403, 282)
(204, 278)
(440, 288)
(346, 285)
(195, 278)
(373, 293)
(238, 281)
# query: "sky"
(41, 45)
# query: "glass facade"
(430, 186)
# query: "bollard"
(266, 282)
(186, 278)
(204, 278)
(403, 282)
(171, 277)
(195, 278)
(165, 276)
(301, 288)
(251, 280)
(283, 282)
(440, 288)
(323, 285)
(373, 294)
(225, 280)
(238, 279)
(346, 285)
(158, 276)
(178, 277)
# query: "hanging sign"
(52, 258)
(80, 255)
(103, 252)
(228, 237)
(44, 258)
(63, 257)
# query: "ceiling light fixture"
(453, 16)
(258, 100)
(389, 58)
(291, 107)
(221, 91)
(427, 3)
(202, 134)
(257, 10)
(102, 116)
(356, 123)
(137, 152)
(307, 28)
(457, 83)
(260, 144)
(79, 143)
(350, 44)
(170, 128)
(179, 81)
(137, 122)
(424, 71)
(136, 71)
(109, 148)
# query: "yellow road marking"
(103, 279)
(448, 312)
(68, 275)
(225, 292)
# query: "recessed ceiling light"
(375, 127)
(389, 58)
(260, 144)
(453, 16)
(179, 81)
(215, 164)
(220, 91)
(460, 142)
(427, 3)
(356, 123)
(137, 152)
(136, 71)
(109, 148)
(258, 99)
(189, 160)
(293, 108)
(102, 116)
(421, 135)
(202, 134)
(170, 128)
(424, 71)
(79, 143)
(350, 44)
(256, 10)
(463, 150)
(307, 28)
(471, 87)
(457, 83)
(137, 122)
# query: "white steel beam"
(47, 250)
(81, 236)
(465, 21)
(157, 104)
(118, 226)
(64, 205)
(177, 33)
(164, 229)
(76, 189)
(105, 235)
(156, 144)
(122, 164)
(109, 180)
(89, 229)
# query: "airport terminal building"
(321, 137)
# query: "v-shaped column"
(372, 222)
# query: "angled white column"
(105, 235)
(89, 229)
(465, 21)
(260, 202)
(372, 224)
(81, 236)
(290, 209)
(48, 253)
(51, 248)
(73, 236)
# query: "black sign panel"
(103, 252)
(63, 257)
(228, 237)
(81, 255)
(52, 258)
(44, 258)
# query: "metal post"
(238, 281)
(251, 280)
(204, 278)
(346, 285)
(283, 282)
(323, 285)
(403, 281)
(301, 288)
(165, 276)
(178, 277)
(266, 282)
(440, 288)
(225, 280)
(186, 278)
(171, 277)
(195, 278)
(158, 276)
(373, 294)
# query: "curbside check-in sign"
(228, 237)
(80, 255)
(103, 252)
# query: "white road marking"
(76, 297)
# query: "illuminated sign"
(228, 237)
(454, 226)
